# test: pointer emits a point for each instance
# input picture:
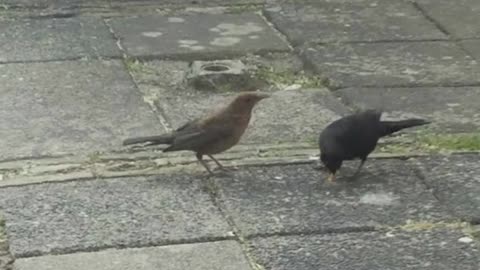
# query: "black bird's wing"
(353, 136)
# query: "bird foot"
(220, 173)
(229, 169)
(331, 179)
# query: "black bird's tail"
(390, 127)
(160, 139)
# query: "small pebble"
(465, 240)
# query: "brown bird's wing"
(191, 137)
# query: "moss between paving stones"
(6, 259)
(237, 9)
(460, 141)
(260, 76)
(273, 77)
(433, 143)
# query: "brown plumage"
(211, 134)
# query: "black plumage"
(355, 137)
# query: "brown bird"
(211, 134)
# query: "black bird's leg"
(204, 164)
(331, 177)
(359, 167)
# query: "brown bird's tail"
(160, 139)
(390, 127)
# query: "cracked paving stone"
(63, 107)
(459, 18)
(202, 34)
(98, 214)
(53, 39)
(351, 21)
(393, 64)
(287, 116)
(438, 249)
(451, 109)
(473, 47)
(222, 255)
(296, 198)
(456, 183)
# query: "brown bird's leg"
(216, 161)
(199, 157)
(220, 165)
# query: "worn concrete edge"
(120, 9)
(147, 163)
(160, 243)
(409, 226)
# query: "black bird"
(355, 136)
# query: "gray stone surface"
(430, 250)
(459, 18)
(287, 116)
(330, 21)
(473, 47)
(69, 107)
(224, 255)
(456, 183)
(449, 109)
(393, 64)
(89, 215)
(52, 39)
(265, 200)
(213, 34)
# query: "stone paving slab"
(439, 249)
(473, 47)
(223, 255)
(450, 109)
(69, 107)
(456, 183)
(73, 5)
(188, 3)
(393, 64)
(97, 214)
(213, 34)
(53, 39)
(278, 199)
(459, 18)
(332, 21)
